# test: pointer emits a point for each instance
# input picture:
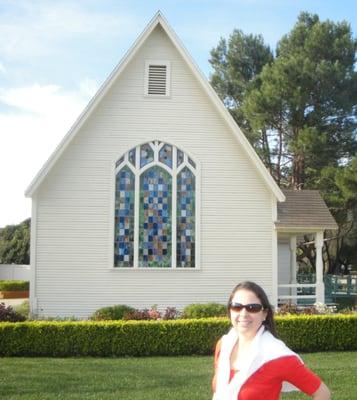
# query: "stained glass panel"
(121, 159)
(180, 157)
(155, 218)
(124, 218)
(192, 162)
(165, 155)
(185, 219)
(132, 156)
(146, 154)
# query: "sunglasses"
(251, 308)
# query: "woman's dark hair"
(269, 322)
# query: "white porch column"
(320, 287)
(293, 264)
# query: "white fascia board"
(310, 229)
(91, 107)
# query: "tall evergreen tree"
(307, 100)
(237, 63)
(299, 110)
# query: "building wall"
(284, 268)
(74, 220)
(14, 272)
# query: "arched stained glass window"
(155, 208)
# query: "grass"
(145, 378)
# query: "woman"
(250, 362)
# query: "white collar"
(264, 348)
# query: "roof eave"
(224, 112)
(306, 229)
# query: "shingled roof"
(304, 209)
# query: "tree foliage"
(299, 110)
(307, 100)
(237, 64)
(15, 243)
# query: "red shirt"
(266, 382)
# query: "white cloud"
(28, 135)
(88, 87)
(35, 29)
(46, 100)
(2, 68)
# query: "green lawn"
(145, 378)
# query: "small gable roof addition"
(158, 19)
(304, 209)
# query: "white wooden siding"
(74, 249)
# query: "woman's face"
(245, 322)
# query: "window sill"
(125, 269)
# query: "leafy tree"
(307, 100)
(15, 243)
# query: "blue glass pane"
(180, 157)
(124, 218)
(132, 156)
(165, 155)
(155, 218)
(185, 219)
(146, 154)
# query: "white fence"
(14, 272)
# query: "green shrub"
(18, 286)
(23, 309)
(170, 338)
(204, 310)
(8, 314)
(113, 313)
(152, 314)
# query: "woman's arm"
(322, 393)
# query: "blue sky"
(55, 54)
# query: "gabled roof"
(304, 209)
(157, 20)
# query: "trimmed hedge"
(110, 338)
(207, 310)
(171, 338)
(14, 286)
(310, 333)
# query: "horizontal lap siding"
(74, 245)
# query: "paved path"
(12, 302)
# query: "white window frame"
(137, 171)
(168, 78)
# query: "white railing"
(295, 287)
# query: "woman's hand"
(322, 393)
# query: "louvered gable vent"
(157, 78)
